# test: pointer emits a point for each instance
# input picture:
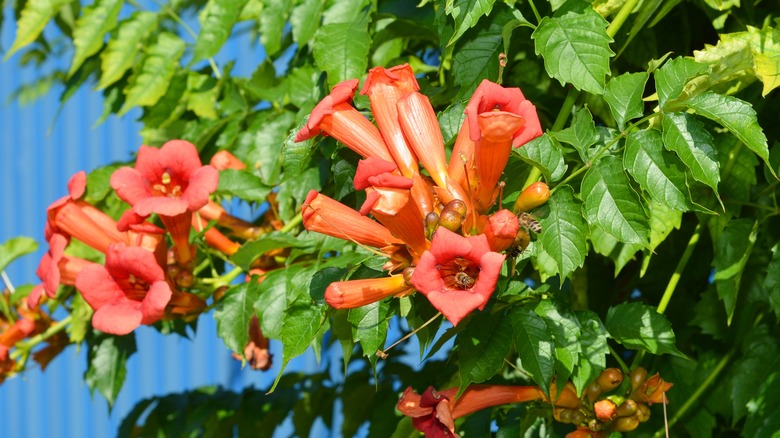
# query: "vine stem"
(294, 222)
(621, 17)
(678, 270)
(536, 12)
(23, 348)
(620, 362)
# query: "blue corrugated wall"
(36, 163)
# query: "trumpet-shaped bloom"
(355, 293)
(168, 181)
(128, 291)
(489, 97)
(327, 216)
(335, 116)
(434, 412)
(458, 274)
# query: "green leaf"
(639, 326)
(81, 323)
(765, 47)
(305, 20)
(564, 328)
(260, 142)
(93, 24)
(738, 168)
(656, 170)
(772, 280)
(33, 18)
(534, 346)
(575, 48)
(611, 204)
(482, 347)
(686, 136)
(451, 120)
(107, 363)
(624, 96)
(341, 50)
(296, 155)
(663, 221)
(272, 21)
(234, 313)
(564, 230)
(242, 184)
(760, 359)
(735, 115)
(202, 93)
(476, 54)
(216, 21)
(546, 154)
(14, 248)
(272, 302)
(606, 245)
(251, 251)
(732, 250)
(593, 343)
(581, 134)
(149, 84)
(466, 14)
(301, 324)
(672, 77)
(369, 327)
(120, 52)
(342, 330)
(762, 420)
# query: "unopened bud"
(457, 205)
(627, 408)
(642, 412)
(431, 222)
(533, 196)
(185, 279)
(638, 377)
(610, 379)
(605, 410)
(451, 220)
(408, 272)
(593, 391)
(625, 424)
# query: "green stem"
(563, 113)
(620, 362)
(672, 285)
(23, 348)
(536, 13)
(621, 17)
(699, 391)
(292, 223)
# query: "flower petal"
(130, 185)
(118, 318)
(203, 182)
(153, 305)
(98, 287)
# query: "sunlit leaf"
(735, 115)
(466, 14)
(545, 154)
(624, 96)
(93, 24)
(149, 84)
(581, 134)
(611, 204)
(766, 56)
(305, 19)
(672, 77)
(341, 50)
(688, 138)
(656, 170)
(301, 323)
(234, 313)
(107, 363)
(639, 326)
(369, 327)
(564, 230)
(216, 21)
(33, 18)
(564, 327)
(594, 348)
(120, 52)
(14, 248)
(575, 48)
(272, 21)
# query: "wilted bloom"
(171, 182)
(256, 351)
(434, 412)
(458, 274)
(652, 390)
(128, 291)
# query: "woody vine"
(572, 206)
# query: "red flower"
(128, 291)
(458, 274)
(170, 182)
(490, 97)
(335, 116)
(435, 411)
(501, 230)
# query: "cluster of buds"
(434, 412)
(435, 227)
(602, 410)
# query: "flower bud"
(431, 222)
(533, 196)
(627, 408)
(605, 410)
(638, 377)
(457, 205)
(593, 391)
(450, 219)
(642, 412)
(625, 424)
(610, 379)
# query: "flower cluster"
(140, 282)
(435, 225)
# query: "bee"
(529, 222)
(463, 280)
